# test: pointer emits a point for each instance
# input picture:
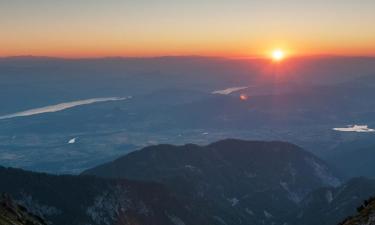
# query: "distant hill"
(327, 206)
(249, 181)
(354, 161)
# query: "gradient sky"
(84, 28)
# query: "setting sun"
(278, 55)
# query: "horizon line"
(327, 55)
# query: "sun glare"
(243, 97)
(278, 55)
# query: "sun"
(278, 55)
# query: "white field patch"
(9, 156)
(61, 107)
(72, 141)
(229, 90)
(356, 128)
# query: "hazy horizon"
(220, 28)
(255, 57)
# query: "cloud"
(356, 128)
(228, 90)
(61, 106)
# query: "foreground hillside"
(13, 214)
(365, 215)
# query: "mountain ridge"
(233, 176)
(226, 182)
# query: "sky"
(233, 28)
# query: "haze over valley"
(179, 108)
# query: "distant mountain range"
(227, 182)
(354, 161)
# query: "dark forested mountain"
(246, 181)
(227, 182)
(87, 200)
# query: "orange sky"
(79, 28)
